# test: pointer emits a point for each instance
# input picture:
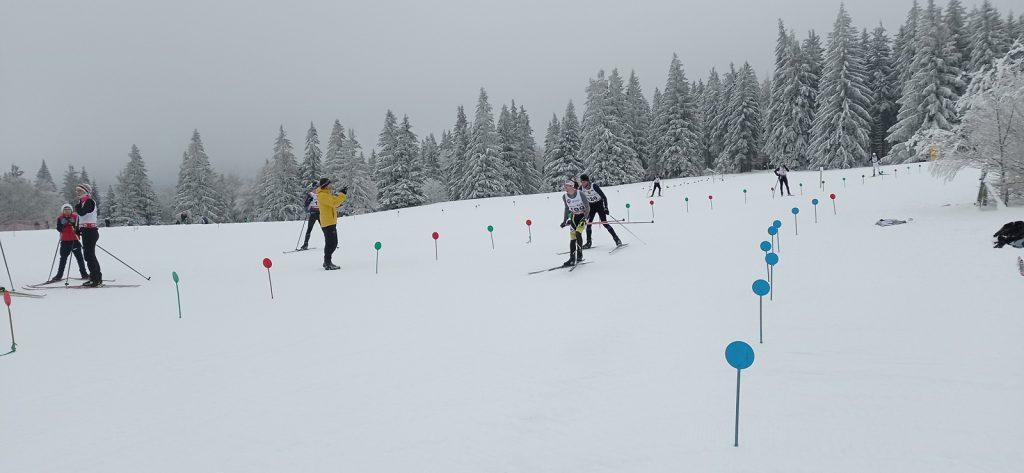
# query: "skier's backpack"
(1011, 234)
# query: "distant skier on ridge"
(598, 207)
(656, 187)
(329, 203)
(574, 215)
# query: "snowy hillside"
(886, 349)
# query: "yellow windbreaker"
(329, 204)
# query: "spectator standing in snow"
(328, 203)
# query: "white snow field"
(891, 349)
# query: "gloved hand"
(563, 225)
(344, 190)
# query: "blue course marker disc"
(777, 224)
(795, 210)
(773, 230)
(771, 258)
(766, 246)
(739, 355)
(814, 201)
(761, 287)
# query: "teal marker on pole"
(801, 188)
(490, 231)
(862, 179)
(796, 225)
(376, 261)
(174, 276)
(778, 236)
(627, 211)
(766, 247)
(844, 183)
(814, 202)
(744, 196)
(771, 259)
(686, 200)
(739, 355)
(761, 288)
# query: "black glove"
(563, 224)
(344, 190)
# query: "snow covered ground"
(886, 349)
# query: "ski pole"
(627, 228)
(122, 262)
(8, 268)
(10, 319)
(301, 228)
(617, 221)
(52, 263)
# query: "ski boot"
(305, 246)
(618, 242)
(331, 267)
(55, 279)
(587, 245)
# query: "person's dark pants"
(657, 187)
(784, 181)
(596, 210)
(576, 236)
(330, 242)
(89, 238)
(67, 248)
(314, 217)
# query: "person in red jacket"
(67, 225)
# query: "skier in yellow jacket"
(329, 203)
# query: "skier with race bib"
(314, 212)
(598, 207)
(88, 229)
(576, 208)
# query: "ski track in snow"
(886, 349)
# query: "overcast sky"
(81, 81)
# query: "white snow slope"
(886, 349)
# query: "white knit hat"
(85, 187)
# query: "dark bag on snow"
(1011, 232)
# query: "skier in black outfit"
(783, 180)
(314, 212)
(598, 207)
(656, 187)
(574, 216)
(89, 231)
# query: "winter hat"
(66, 206)
(324, 181)
(570, 182)
(84, 187)
(584, 177)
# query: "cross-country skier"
(598, 207)
(67, 225)
(656, 187)
(780, 172)
(329, 203)
(574, 216)
(313, 210)
(88, 211)
(874, 164)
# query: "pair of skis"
(617, 247)
(53, 285)
(298, 250)
(571, 268)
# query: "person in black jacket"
(314, 212)
(89, 231)
(781, 172)
(598, 207)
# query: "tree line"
(840, 103)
